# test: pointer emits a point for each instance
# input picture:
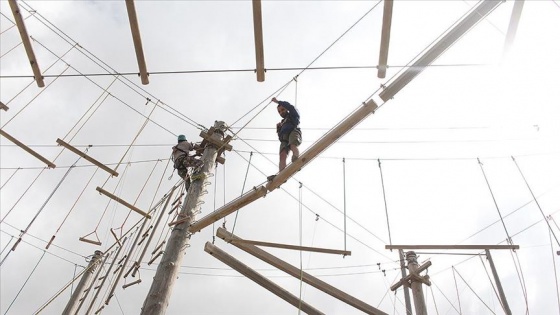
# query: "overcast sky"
(433, 165)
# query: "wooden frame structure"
(299, 274)
(27, 43)
(87, 157)
(259, 47)
(133, 19)
(28, 149)
(294, 247)
(122, 202)
(259, 279)
(385, 37)
(475, 247)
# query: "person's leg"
(294, 141)
(295, 152)
(283, 157)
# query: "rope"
(555, 273)
(509, 240)
(344, 195)
(215, 197)
(224, 180)
(473, 291)
(536, 201)
(11, 49)
(385, 201)
(300, 244)
(521, 278)
(23, 286)
(491, 283)
(73, 276)
(7, 245)
(242, 190)
(434, 299)
(14, 173)
(456, 289)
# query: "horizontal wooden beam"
(133, 19)
(87, 157)
(259, 279)
(475, 247)
(232, 206)
(385, 37)
(216, 142)
(27, 43)
(300, 274)
(294, 247)
(259, 47)
(28, 149)
(322, 144)
(4, 107)
(122, 202)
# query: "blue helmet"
(181, 138)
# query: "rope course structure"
(457, 90)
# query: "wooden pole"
(137, 41)
(503, 299)
(88, 290)
(385, 37)
(72, 305)
(416, 285)
(259, 279)
(26, 148)
(157, 300)
(259, 47)
(299, 274)
(405, 288)
(27, 43)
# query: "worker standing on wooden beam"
(183, 160)
(288, 131)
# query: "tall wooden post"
(157, 300)
(503, 299)
(405, 288)
(72, 305)
(416, 284)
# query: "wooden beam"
(122, 202)
(137, 41)
(232, 206)
(259, 50)
(216, 142)
(385, 37)
(4, 107)
(28, 149)
(294, 247)
(477, 14)
(322, 144)
(259, 279)
(27, 43)
(87, 157)
(475, 247)
(407, 278)
(300, 274)
(513, 24)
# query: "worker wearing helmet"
(288, 131)
(182, 160)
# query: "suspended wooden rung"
(174, 208)
(50, 242)
(101, 278)
(178, 199)
(117, 269)
(179, 221)
(87, 157)
(142, 240)
(115, 236)
(158, 247)
(147, 231)
(122, 202)
(4, 107)
(132, 283)
(28, 149)
(96, 287)
(100, 309)
(294, 247)
(85, 240)
(136, 268)
(130, 270)
(259, 47)
(86, 290)
(155, 257)
(122, 259)
(137, 40)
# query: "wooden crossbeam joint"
(408, 278)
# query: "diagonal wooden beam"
(259, 279)
(385, 37)
(122, 202)
(259, 47)
(300, 274)
(87, 157)
(137, 41)
(294, 247)
(27, 43)
(28, 149)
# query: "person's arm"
(294, 114)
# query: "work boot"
(294, 158)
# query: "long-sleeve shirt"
(291, 121)
(182, 148)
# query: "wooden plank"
(28, 149)
(385, 37)
(475, 247)
(513, 24)
(122, 202)
(87, 157)
(294, 247)
(322, 144)
(259, 49)
(4, 107)
(133, 19)
(259, 279)
(218, 143)
(232, 206)
(477, 14)
(27, 43)
(300, 274)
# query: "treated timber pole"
(503, 299)
(72, 305)
(259, 47)
(385, 37)
(133, 19)
(416, 284)
(158, 297)
(259, 279)
(405, 288)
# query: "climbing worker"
(182, 160)
(288, 132)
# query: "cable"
(242, 190)
(23, 286)
(385, 201)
